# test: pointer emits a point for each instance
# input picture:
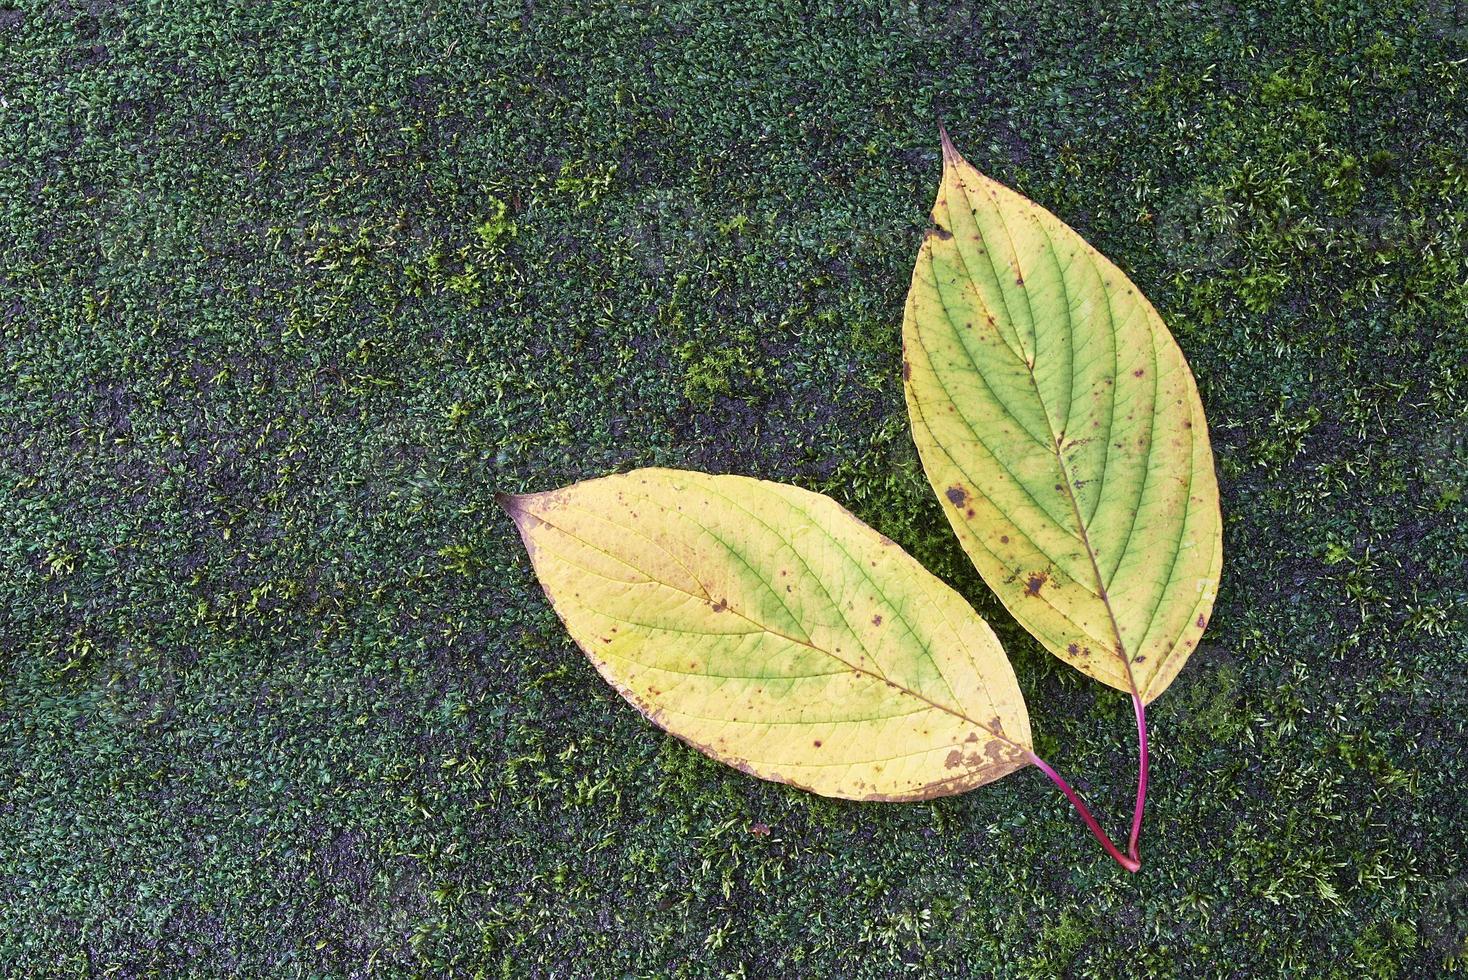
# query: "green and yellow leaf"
(1061, 428)
(769, 628)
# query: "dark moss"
(290, 292)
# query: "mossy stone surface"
(288, 292)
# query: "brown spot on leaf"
(998, 752)
(1004, 539)
(817, 743)
(1138, 373)
(1036, 580)
(876, 620)
(957, 495)
(1202, 621)
(721, 605)
(906, 370)
(953, 760)
(969, 512)
(1073, 650)
(941, 233)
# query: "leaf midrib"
(1067, 481)
(957, 713)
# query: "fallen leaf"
(769, 628)
(1061, 428)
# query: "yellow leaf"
(1061, 428)
(767, 627)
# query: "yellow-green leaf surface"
(1061, 428)
(769, 628)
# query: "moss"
(290, 292)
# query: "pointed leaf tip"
(514, 505)
(951, 156)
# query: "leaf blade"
(1062, 429)
(770, 629)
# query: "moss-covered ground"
(289, 291)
